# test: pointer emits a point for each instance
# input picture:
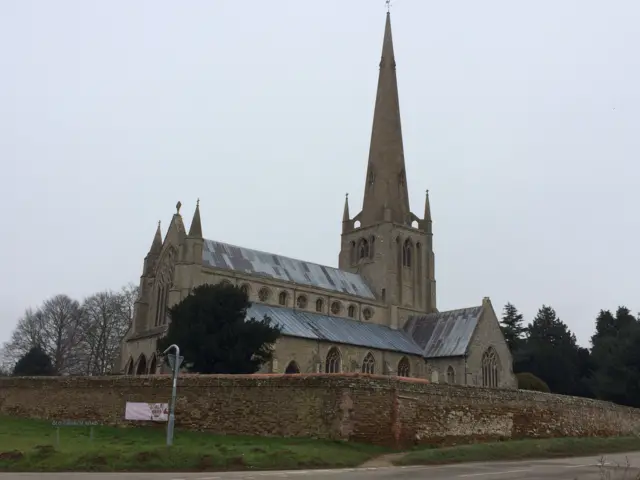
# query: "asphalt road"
(615, 467)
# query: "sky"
(521, 118)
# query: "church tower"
(386, 243)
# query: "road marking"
(589, 465)
(492, 473)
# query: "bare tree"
(27, 335)
(62, 333)
(106, 319)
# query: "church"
(376, 313)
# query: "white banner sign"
(156, 412)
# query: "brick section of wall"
(373, 409)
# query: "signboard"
(156, 412)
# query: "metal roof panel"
(254, 262)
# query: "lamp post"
(174, 362)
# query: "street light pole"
(177, 360)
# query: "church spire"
(427, 208)
(195, 230)
(386, 196)
(156, 245)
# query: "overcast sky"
(521, 118)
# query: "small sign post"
(175, 360)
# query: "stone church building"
(375, 313)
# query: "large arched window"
(451, 375)
(153, 365)
(407, 253)
(490, 368)
(129, 368)
(369, 364)
(334, 361)
(403, 367)
(292, 367)
(363, 249)
(142, 365)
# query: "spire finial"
(178, 205)
(346, 195)
(198, 202)
(159, 223)
(388, 4)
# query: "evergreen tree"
(615, 344)
(34, 363)
(551, 353)
(214, 335)
(512, 327)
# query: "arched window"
(490, 368)
(301, 302)
(245, 289)
(319, 305)
(351, 311)
(129, 369)
(334, 361)
(369, 364)
(353, 252)
(372, 241)
(434, 376)
(406, 253)
(367, 313)
(142, 365)
(336, 308)
(403, 367)
(292, 367)
(264, 294)
(153, 365)
(282, 298)
(451, 375)
(363, 249)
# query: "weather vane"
(388, 4)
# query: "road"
(615, 467)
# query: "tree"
(528, 381)
(512, 327)
(214, 335)
(550, 352)
(34, 363)
(106, 317)
(615, 359)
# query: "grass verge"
(30, 445)
(521, 450)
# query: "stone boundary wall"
(365, 408)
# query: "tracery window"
(264, 294)
(301, 302)
(336, 308)
(367, 313)
(490, 376)
(363, 249)
(333, 363)
(245, 289)
(369, 364)
(407, 253)
(403, 367)
(319, 305)
(351, 311)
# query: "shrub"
(528, 381)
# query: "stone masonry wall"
(373, 409)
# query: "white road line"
(492, 473)
(589, 465)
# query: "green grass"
(30, 445)
(521, 450)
